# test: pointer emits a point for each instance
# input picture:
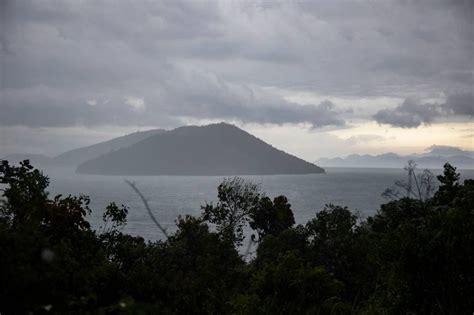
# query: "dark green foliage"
(334, 243)
(289, 285)
(330, 224)
(115, 216)
(291, 240)
(50, 256)
(425, 251)
(449, 185)
(464, 199)
(271, 218)
(237, 200)
(200, 268)
(25, 194)
(415, 256)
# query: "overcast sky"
(314, 78)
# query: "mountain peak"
(216, 149)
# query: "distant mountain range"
(217, 149)
(435, 157)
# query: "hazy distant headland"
(217, 149)
(435, 156)
(81, 155)
(72, 158)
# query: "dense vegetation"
(416, 255)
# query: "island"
(216, 149)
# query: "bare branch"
(424, 184)
(145, 202)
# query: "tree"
(449, 184)
(331, 238)
(51, 258)
(423, 251)
(115, 216)
(331, 223)
(271, 218)
(415, 255)
(25, 194)
(237, 200)
(288, 285)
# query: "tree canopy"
(415, 255)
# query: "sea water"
(360, 189)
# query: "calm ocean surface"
(170, 196)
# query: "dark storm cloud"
(409, 114)
(460, 104)
(51, 115)
(215, 60)
(203, 95)
(185, 93)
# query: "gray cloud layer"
(81, 62)
(411, 114)
(460, 104)
(183, 94)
